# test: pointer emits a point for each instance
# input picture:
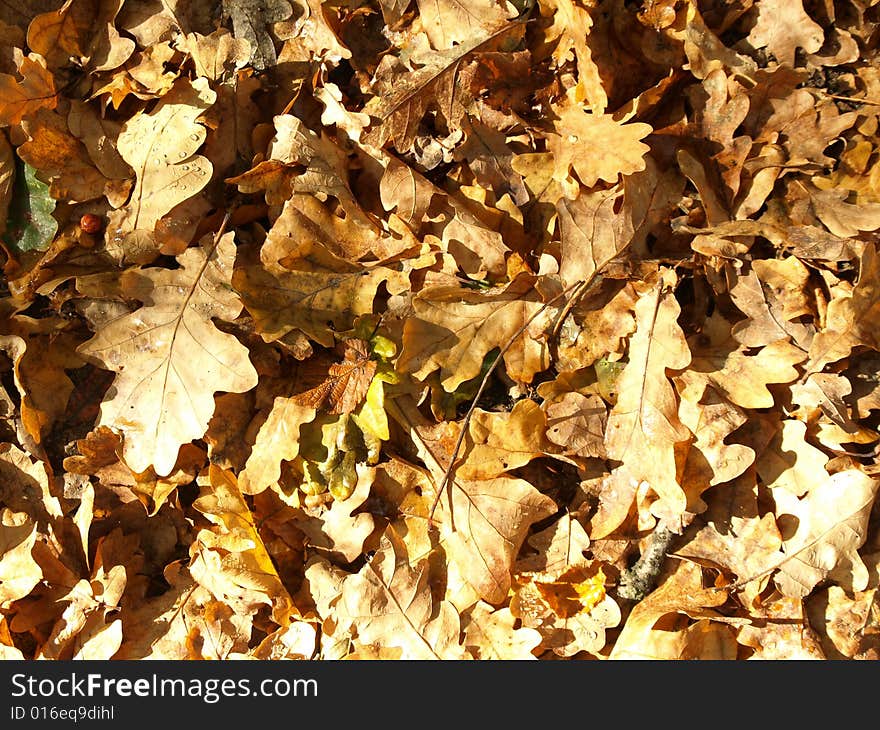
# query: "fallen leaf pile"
(439, 330)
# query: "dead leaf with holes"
(561, 593)
(831, 524)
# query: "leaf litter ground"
(482, 330)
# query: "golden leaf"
(231, 560)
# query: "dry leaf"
(169, 357)
(161, 146)
(390, 601)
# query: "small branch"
(639, 580)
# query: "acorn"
(90, 223)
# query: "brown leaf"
(402, 96)
(36, 90)
(346, 384)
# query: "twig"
(447, 475)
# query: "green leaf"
(30, 226)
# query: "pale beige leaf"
(169, 356)
(790, 462)
(491, 634)
(782, 27)
(450, 22)
(482, 523)
(161, 147)
(500, 442)
(832, 526)
(644, 426)
(389, 602)
(19, 572)
(231, 559)
(681, 593)
(851, 319)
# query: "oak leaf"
(850, 319)
(160, 145)
(320, 293)
(595, 146)
(545, 591)
(81, 29)
(483, 523)
(491, 634)
(571, 30)
(683, 594)
(501, 442)
(277, 440)
(346, 384)
(737, 538)
(790, 462)
(389, 601)
(36, 90)
(402, 96)
(644, 426)
(19, 572)
(230, 560)
(832, 522)
(169, 356)
(453, 329)
(451, 22)
(782, 27)
(741, 377)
